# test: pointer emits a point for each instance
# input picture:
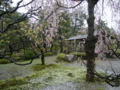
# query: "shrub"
(61, 56)
(29, 54)
(79, 54)
(118, 52)
(48, 54)
(4, 61)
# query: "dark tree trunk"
(90, 42)
(42, 58)
(61, 46)
(42, 54)
(60, 38)
(51, 48)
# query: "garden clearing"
(59, 76)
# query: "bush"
(48, 54)
(61, 56)
(4, 61)
(29, 54)
(118, 52)
(79, 54)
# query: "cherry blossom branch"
(69, 7)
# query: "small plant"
(4, 61)
(48, 54)
(79, 54)
(61, 56)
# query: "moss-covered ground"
(52, 76)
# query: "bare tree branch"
(69, 7)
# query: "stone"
(70, 58)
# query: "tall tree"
(90, 42)
(78, 21)
(64, 28)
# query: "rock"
(70, 58)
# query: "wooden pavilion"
(76, 43)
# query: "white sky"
(22, 10)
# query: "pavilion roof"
(79, 37)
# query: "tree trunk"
(42, 54)
(42, 57)
(90, 42)
(51, 48)
(61, 46)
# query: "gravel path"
(12, 71)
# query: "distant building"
(76, 43)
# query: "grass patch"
(39, 67)
(14, 82)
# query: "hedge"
(48, 54)
(4, 61)
(79, 54)
(61, 56)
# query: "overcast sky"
(106, 16)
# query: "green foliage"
(18, 55)
(17, 58)
(79, 54)
(65, 25)
(48, 54)
(21, 50)
(29, 54)
(118, 52)
(55, 49)
(61, 56)
(4, 61)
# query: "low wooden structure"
(76, 43)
